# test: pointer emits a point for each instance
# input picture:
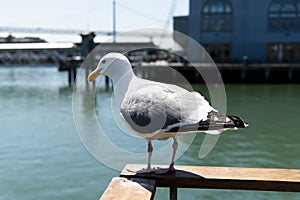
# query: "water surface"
(41, 156)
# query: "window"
(216, 16)
(283, 52)
(284, 15)
(219, 52)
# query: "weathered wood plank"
(265, 179)
(124, 189)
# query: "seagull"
(159, 111)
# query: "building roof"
(123, 46)
(12, 39)
(35, 46)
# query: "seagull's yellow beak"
(92, 76)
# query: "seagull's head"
(110, 65)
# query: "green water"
(41, 156)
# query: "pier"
(256, 73)
(131, 185)
(68, 57)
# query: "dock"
(143, 186)
(254, 73)
(69, 57)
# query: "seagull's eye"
(103, 61)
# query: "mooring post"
(243, 75)
(72, 70)
(87, 45)
(87, 72)
(71, 76)
(290, 76)
(74, 74)
(267, 74)
(106, 82)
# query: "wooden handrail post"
(173, 193)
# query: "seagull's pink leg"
(171, 168)
(148, 169)
(175, 146)
(150, 150)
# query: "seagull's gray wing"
(160, 107)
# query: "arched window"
(216, 16)
(284, 15)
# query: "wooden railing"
(131, 185)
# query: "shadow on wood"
(283, 180)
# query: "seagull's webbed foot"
(146, 171)
(170, 170)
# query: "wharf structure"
(33, 51)
(69, 56)
(232, 31)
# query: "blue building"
(232, 30)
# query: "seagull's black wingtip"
(238, 122)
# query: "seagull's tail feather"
(218, 121)
(215, 124)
